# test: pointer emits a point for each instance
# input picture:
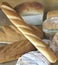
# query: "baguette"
(9, 34)
(28, 32)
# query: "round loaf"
(50, 26)
(33, 58)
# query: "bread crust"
(30, 8)
(53, 13)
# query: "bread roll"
(18, 22)
(50, 26)
(31, 12)
(33, 58)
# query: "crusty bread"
(50, 26)
(28, 32)
(36, 30)
(30, 8)
(15, 50)
(7, 32)
(31, 12)
(53, 13)
(8, 35)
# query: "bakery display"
(20, 36)
(33, 58)
(50, 26)
(31, 12)
(53, 13)
(27, 32)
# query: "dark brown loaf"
(28, 32)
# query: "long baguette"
(8, 34)
(27, 32)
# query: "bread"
(50, 26)
(8, 35)
(53, 13)
(18, 22)
(31, 12)
(54, 44)
(29, 59)
(15, 50)
(7, 31)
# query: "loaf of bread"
(29, 59)
(50, 26)
(15, 50)
(31, 12)
(28, 32)
(8, 35)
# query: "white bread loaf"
(31, 12)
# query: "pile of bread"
(23, 35)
